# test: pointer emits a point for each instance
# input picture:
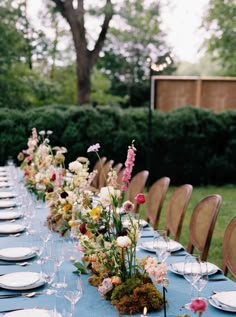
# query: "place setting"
(225, 300)
(11, 228)
(21, 280)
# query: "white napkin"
(227, 298)
(15, 252)
(179, 267)
(19, 279)
(173, 245)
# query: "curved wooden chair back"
(155, 199)
(202, 224)
(103, 173)
(97, 166)
(117, 168)
(136, 186)
(119, 176)
(176, 209)
(229, 250)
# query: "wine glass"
(202, 281)
(58, 256)
(192, 270)
(73, 290)
(161, 245)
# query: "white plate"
(34, 312)
(7, 203)
(148, 246)
(178, 268)
(5, 184)
(216, 304)
(21, 280)
(4, 195)
(227, 298)
(9, 215)
(16, 254)
(4, 177)
(11, 228)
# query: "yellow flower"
(95, 213)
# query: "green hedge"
(190, 145)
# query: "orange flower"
(115, 280)
(67, 207)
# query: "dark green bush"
(190, 145)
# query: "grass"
(226, 213)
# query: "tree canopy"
(220, 23)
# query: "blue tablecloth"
(91, 304)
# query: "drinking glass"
(58, 255)
(202, 281)
(74, 290)
(161, 245)
(192, 269)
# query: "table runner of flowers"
(96, 218)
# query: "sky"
(181, 21)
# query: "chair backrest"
(229, 250)
(176, 209)
(136, 186)
(103, 173)
(202, 224)
(155, 198)
(97, 166)
(117, 168)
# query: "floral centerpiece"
(109, 246)
(43, 165)
(63, 201)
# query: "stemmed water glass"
(161, 245)
(58, 255)
(192, 270)
(73, 290)
(202, 281)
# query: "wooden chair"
(103, 173)
(202, 223)
(98, 165)
(229, 250)
(118, 168)
(136, 186)
(155, 199)
(176, 209)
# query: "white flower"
(123, 242)
(75, 166)
(94, 148)
(107, 193)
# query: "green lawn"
(226, 213)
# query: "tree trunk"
(85, 58)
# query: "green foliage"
(221, 24)
(190, 145)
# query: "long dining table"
(91, 303)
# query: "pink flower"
(198, 305)
(129, 164)
(128, 206)
(140, 198)
(94, 148)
